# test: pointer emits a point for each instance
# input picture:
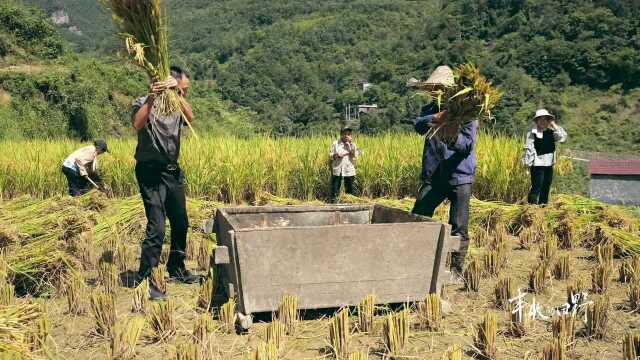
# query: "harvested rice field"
(64, 260)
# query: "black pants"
(432, 195)
(336, 184)
(163, 195)
(541, 179)
(77, 184)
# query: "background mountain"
(297, 64)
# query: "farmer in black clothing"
(161, 180)
(540, 154)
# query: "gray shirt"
(159, 139)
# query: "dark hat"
(346, 129)
(101, 145)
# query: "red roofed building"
(615, 181)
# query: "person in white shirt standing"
(540, 154)
(344, 153)
(81, 168)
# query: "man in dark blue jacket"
(448, 171)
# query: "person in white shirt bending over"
(344, 153)
(540, 154)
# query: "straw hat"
(543, 113)
(443, 76)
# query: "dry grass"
(340, 334)
(103, 309)
(158, 278)
(203, 328)
(7, 293)
(276, 332)
(140, 303)
(564, 327)
(518, 321)
(228, 316)
(604, 254)
(505, 290)
(430, 312)
(75, 290)
(161, 320)
(366, 309)
(598, 318)
(556, 349)
(634, 295)
(265, 351)
(538, 277)
(631, 346)
(600, 278)
(186, 351)
(359, 355)
(288, 313)
(205, 295)
(453, 353)
(126, 337)
(395, 333)
(472, 275)
(548, 249)
(563, 267)
(486, 333)
(204, 255)
(109, 277)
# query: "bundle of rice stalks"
(604, 254)
(504, 291)
(618, 218)
(631, 346)
(339, 334)
(564, 326)
(563, 267)
(109, 277)
(204, 255)
(205, 295)
(75, 289)
(161, 321)
(600, 278)
(141, 297)
(366, 309)
(186, 351)
(158, 278)
(430, 312)
(538, 277)
(288, 313)
(203, 328)
(395, 332)
(103, 308)
(228, 316)
(276, 332)
(597, 317)
(144, 27)
(518, 321)
(453, 353)
(494, 261)
(265, 351)
(15, 325)
(471, 275)
(359, 355)
(486, 333)
(548, 249)
(555, 350)
(471, 97)
(565, 231)
(528, 217)
(126, 337)
(7, 293)
(629, 268)
(634, 295)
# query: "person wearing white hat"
(540, 154)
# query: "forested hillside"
(298, 63)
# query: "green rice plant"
(228, 316)
(631, 346)
(125, 338)
(556, 349)
(103, 309)
(288, 313)
(366, 309)
(538, 277)
(140, 302)
(75, 290)
(564, 327)
(430, 312)
(486, 334)
(205, 295)
(634, 295)
(265, 351)
(598, 317)
(600, 277)
(161, 320)
(505, 290)
(453, 353)
(395, 333)
(471, 275)
(563, 267)
(276, 332)
(203, 327)
(340, 334)
(158, 278)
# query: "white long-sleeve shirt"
(83, 160)
(345, 164)
(531, 158)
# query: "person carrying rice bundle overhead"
(449, 158)
(540, 154)
(158, 119)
